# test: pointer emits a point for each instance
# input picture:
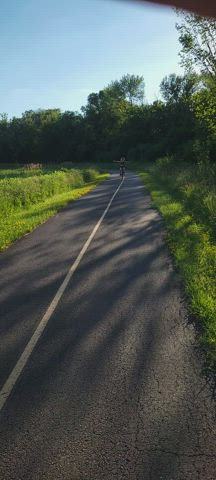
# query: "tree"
(204, 107)
(129, 87)
(175, 88)
(198, 40)
(104, 116)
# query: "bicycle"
(122, 171)
(121, 163)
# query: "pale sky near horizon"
(54, 53)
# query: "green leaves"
(176, 88)
(204, 105)
(26, 201)
(129, 87)
(198, 40)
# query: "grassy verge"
(185, 198)
(28, 202)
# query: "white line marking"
(17, 370)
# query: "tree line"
(117, 120)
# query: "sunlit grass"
(192, 244)
(17, 220)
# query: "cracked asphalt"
(114, 389)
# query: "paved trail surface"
(113, 389)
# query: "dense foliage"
(117, 121)
(28, 197)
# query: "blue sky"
(55, 52)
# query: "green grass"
(19, 173)
(180, 193)
(27, 201)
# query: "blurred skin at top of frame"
(199, 7)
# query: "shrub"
(89, 174)
(23, 192)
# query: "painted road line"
(17, 370)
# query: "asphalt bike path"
(32, 270)
(114, 388)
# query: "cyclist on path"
(122, 165)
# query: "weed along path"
(112, 388)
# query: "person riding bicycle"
(122, 164)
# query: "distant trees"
(106, 113)
(41, 136)
(175, 88)
(117, 121)
(130, 88)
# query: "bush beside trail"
(27, 201)
(23, 192)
